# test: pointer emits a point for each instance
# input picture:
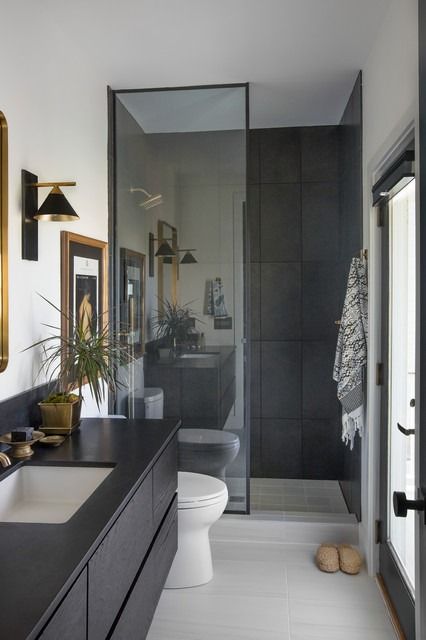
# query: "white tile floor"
(306, 496)
(271, 591)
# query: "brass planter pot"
(60, 418)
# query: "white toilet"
(201, 501)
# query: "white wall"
(55, 104)
(390, 105)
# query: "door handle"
(401, 504)
(404, 431)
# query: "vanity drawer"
(69, 620)
(137, 615)
(164, 477)
(117, 560)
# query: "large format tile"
(255, 301)
(320, 443)
(320, 221)
(281, 364)
(255, 379)
(253, 215)
(280, 301)
(241, 616)
(319, 147)
(303, 631)
(280, 155)
(319, 389)
(281, 447)
(280, 223)
(320, 304)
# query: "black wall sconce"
(164, 251)
(55, 208)
(188, 258)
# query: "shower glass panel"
(179, 195)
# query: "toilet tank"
(154, 403)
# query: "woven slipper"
(350, 559)
(327, 558)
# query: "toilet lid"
(207, 437)
(199, 488)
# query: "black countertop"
(220, 355)
(39, 562)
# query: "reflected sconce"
(188, 258)
(164, 251)
(55, 208)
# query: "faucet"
(4, 460)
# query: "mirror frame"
(4, 289)
(166, 231)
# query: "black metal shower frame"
(112, 249)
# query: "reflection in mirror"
(4, 313)
(167, 266)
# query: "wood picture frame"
(4, 283)
(84, 280)
(132, 300)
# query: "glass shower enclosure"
(178, 248)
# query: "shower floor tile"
(305, 496)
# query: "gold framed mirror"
(167, 285)
(4, 292)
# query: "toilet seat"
(196, 490)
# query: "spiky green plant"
(82, 357)
(173, 321)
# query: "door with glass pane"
(398, 442)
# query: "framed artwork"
(84, 282)
(132, 300)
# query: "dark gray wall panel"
(319, 399)
(279, 155)
(280, 285)
(320, 219)
(280, 222)
(319, 154)
(321, 448)
(281, 364)
(281, 448)
(304, 242)
(321, 302)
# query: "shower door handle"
(404, 431)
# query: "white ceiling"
(301, 57)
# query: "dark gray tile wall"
(294, 237)
(305, 224)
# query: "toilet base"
(192, 565)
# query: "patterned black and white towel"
(351, 352)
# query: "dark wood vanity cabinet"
(118, 591)
(69, 622)
(116, 562)
(200, 392)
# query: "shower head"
(151, 200)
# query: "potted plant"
(172, 325)
(84, 357)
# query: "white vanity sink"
(47, 494)
(197, 356)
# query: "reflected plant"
(173, 321)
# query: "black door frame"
(395, 178)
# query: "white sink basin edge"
(48, 494)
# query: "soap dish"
(21, 449)
(52, 441)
